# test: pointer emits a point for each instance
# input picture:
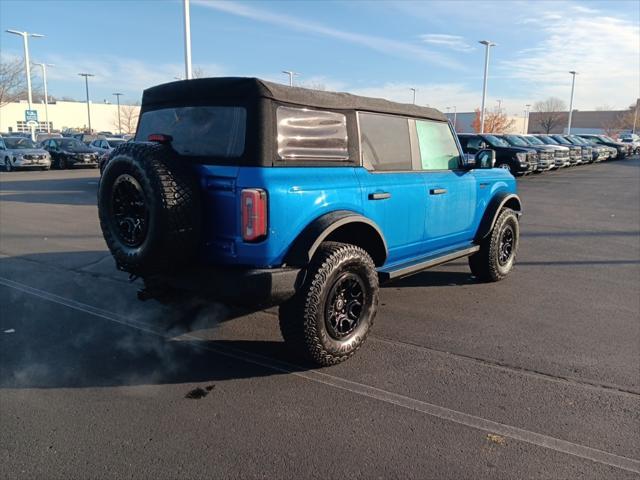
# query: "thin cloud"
(603, 49)
(453, 42)
(379, 44)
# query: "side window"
(385, 142)
(475, 144)
(438, 149)
(305, 134)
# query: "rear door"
(393, 190)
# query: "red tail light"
(254, 214)
(160, 138)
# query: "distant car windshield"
(548, 140)
(496, 141)
(113, 143)
(593, 139)
(515, 140)
(562, 141)
(608, 139)
(534, 140)
(20, 143)
(72, 144)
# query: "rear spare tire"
(149, 208)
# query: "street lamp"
(86, 84)
(499, 106)
(525, 123)
(635, 116)
(27, 63)
(291, 75)
(46, 94)
(487, 45)
(118, 95)
(188, 73)
(414, 95)
(573, 84)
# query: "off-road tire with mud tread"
(174, 205)
(302, 319)
(484, 264)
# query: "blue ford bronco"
(262, 194)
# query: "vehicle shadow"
(59, 191)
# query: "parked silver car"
(21, 152)
(104, 145)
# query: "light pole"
(188, 73)
(291, 75)
(86, 84)
(573, 84)
(46, 93)
(118, 95)
(635, 116)
(414, 95)
(487, 45)
(525, 123)
(27, 63)
(499, 106)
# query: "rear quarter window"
(211, 131)
(305, 134)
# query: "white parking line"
(479, 423)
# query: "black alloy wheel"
(344, 305)
(130, 215)
(505, 249)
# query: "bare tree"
(625, 120)
(12, 82)
(495, 121)
(128, 118)
(552, 113)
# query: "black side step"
(424, 263)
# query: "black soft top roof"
(202, 91)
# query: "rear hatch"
(211, 138)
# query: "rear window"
(385, 142)
(198, 131)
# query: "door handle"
(379, 196)
(437, 191)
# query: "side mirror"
(485, 158)
(468, 161)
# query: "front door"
(452, 193)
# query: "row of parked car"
(55, 151)
(520, 154)
(525, 154)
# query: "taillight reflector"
(254, 214)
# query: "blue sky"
(376, 48)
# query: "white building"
(62, 115)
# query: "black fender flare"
(496, 204)
(322, 228)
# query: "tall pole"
(291, 75)
(525, 124)
(499, 106)
(487, 45)
(46, 93)
(414, 95)
(86, 85)
(118, 95)
(635, 116)
(188, 73)
(27, 64)
(573, 84)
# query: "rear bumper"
(238, 286)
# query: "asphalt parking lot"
(534, 377)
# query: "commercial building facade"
(69, 115)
